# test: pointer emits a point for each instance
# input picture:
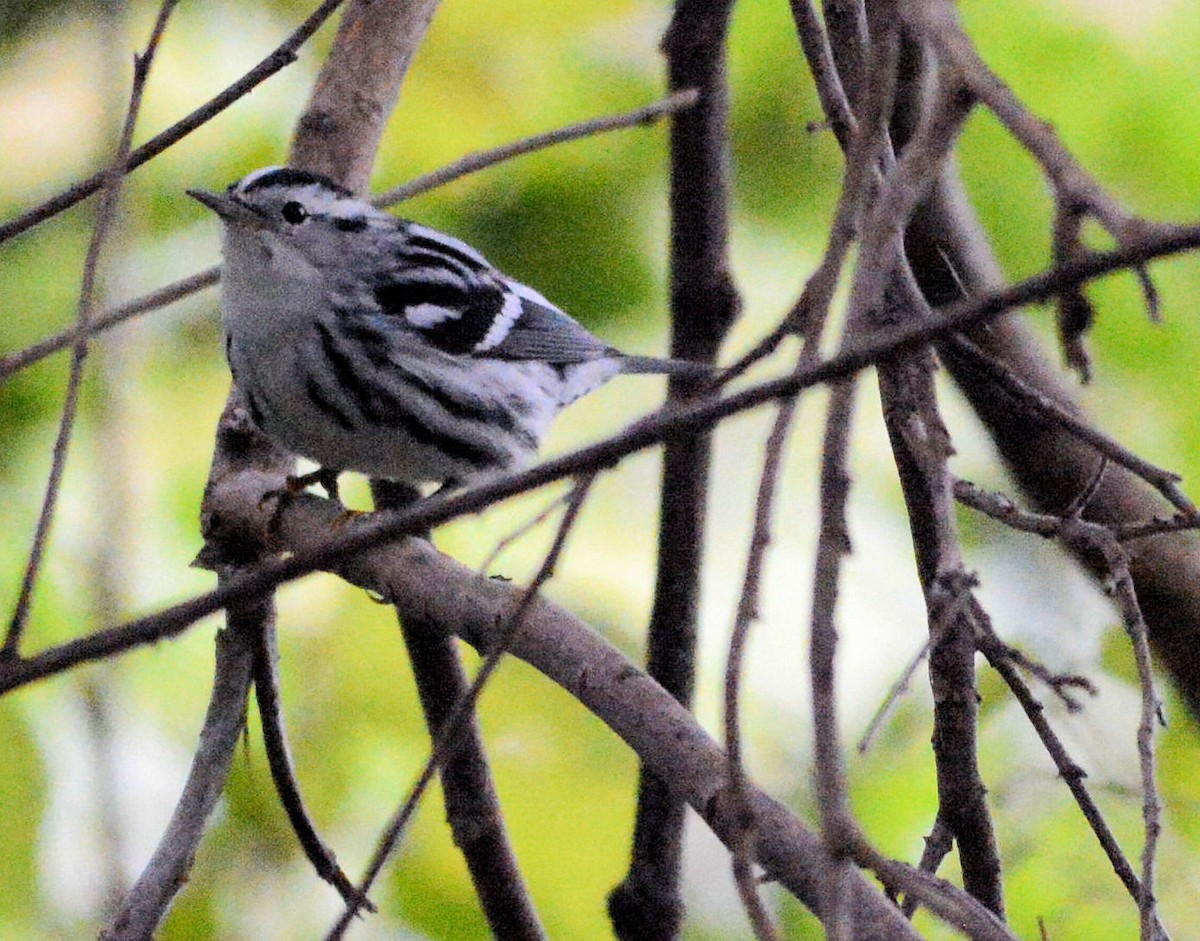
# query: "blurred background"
(93, 761)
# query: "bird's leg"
(327, 477)
(296, 484)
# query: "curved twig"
(279, 760)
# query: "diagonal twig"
(147, 901)
(644, 434)
(482, 159)
(747, 611)
(283, 56)
(450, 728)
(1165, 481)
(111, 180)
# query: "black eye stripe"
(353, 224)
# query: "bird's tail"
(674, 367)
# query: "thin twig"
(898, 689)
(283, 773)
(811, 310)
(1098, 540)
(1077, 193)
(938, 845)
(523, 530)
(998, 655)
(838, 826)
(111, 180)
(1165, 481)
(14, 362)
(818, 53)
(747, 612)
(448, 733)
(1060, 684)
(1151, 716)
(283, 56)
(482, 159)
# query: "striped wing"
(460, 303)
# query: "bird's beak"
(228, 208)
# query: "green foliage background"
(93, 761)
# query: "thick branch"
(358, 87)
(442, 594)
(950, 254)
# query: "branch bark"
(147, 902)
(950, 254)
(431, 589)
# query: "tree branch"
(648, 432)
(111, 180)
(283, 773)
(167, 871)
(468, 791)
(447, 596)
(647, 904)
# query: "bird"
(370, 343)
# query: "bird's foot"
(295, 485)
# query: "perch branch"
(646, 433)
(449, 597)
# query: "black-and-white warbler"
(369, 343)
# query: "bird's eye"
(294, 213)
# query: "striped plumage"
(369, 343)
